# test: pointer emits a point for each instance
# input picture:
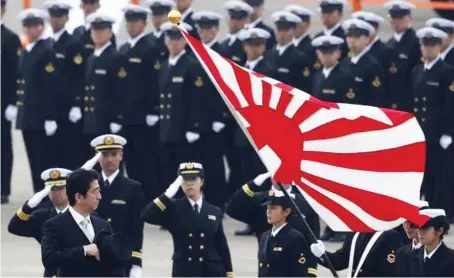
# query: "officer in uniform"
(66, 49)
(302, 40)
(200, 245)
(447, 46)
(122, 198)
(407, 54)
(29, 220)
(101, 79)
(11, 50)
(184, 7)
(255, 20)
(290, 66)
(433, 92)
(283, 250)
(434, 259)
(374, 254)
(179, 85)
(332, 12)
(245, 206)
(210, 118)
(139, 106)
(37, 98)
(159, 11)
(333, 83)
(367, 71)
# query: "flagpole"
(313, 237)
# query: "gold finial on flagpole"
(174, 16)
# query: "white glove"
(50, 127)
(75, 114)
(261, 178)
(11, 113)
(91, 162)
(151, 120)
(318, 249)
(192, 137)
(38, 197)
(218, 126)
(115, 128)
(174, 187)
(445, 141)
(136, 271)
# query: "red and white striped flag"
(359, 167)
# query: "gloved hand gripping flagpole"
(175, 17)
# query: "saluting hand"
(174, 187)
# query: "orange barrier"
(27, 4)
(136, 2)
(419, 4)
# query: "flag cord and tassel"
(311, 233)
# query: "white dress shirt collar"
(87, 26)
(253, 64)
(275, 231)
(445, 53)
(356, 58)
(134, 41)
(254, 23)
(98, 52)
(185, 14)
(330, 31)
(199, 203)
(173, 61)
(77, 216)
(111, 178)
(232, 38)
(374, 41)
(327, 71)
(29, 47)
(428, 66)
(431, 253)
(61, 211)
(297, 41)
(210, 44)
(415, 246)
(56, 36)
(157, 33)
(281, 48)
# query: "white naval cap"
(327, 41)
(237, 8)
(285, 17)
(371, 18)
(100, 19)
(169, 26)
(190, 169)
(206, 17)
(57, 4)
(443, 24)
(32, 16)
(55, 176)
(108, 142)
(329, 6)
(398, 8)
(422, 204)
(430, 35)
(159, 3)
(355, 26)
(437, 218)
(332, 2)
(300, 11)
(254, 34)
(432, 213)
(136, 9)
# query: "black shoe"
(5, 200)
(246, 232)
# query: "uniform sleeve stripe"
(312, 271)
(136, 255)
(22, 215)
(229, 274)
(247, 190)
(160, 204)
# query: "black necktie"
(196, 208)
(106, 183)
(426, 259)
(59, 212)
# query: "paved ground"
(21, 256)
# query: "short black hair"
(79, 181)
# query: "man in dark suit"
(11, 51)
(123, 198)
(29, 219)
(209, 116)
(200, 245)
(333, 83)
(66, 49)
(245, 206)
(159, 11)
(378, 261)
(434, 259)
(37, 96)
(407, 54)
(140, 107)
(67, 243)
(283, 250)
(256, 21)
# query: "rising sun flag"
(359, 167)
